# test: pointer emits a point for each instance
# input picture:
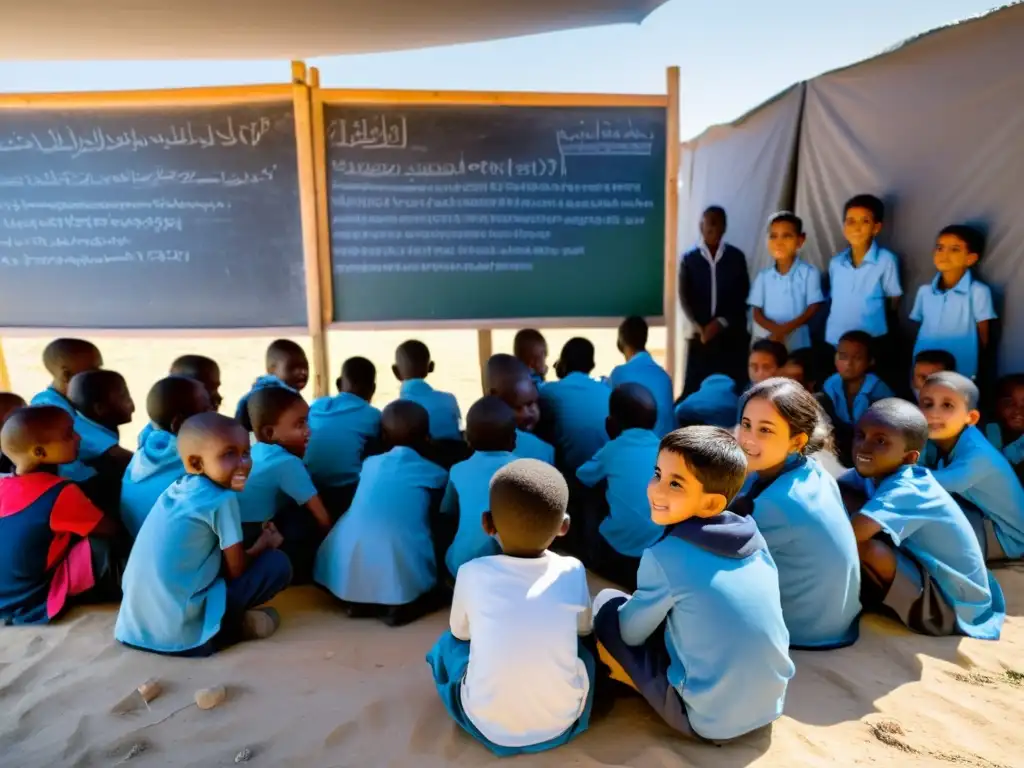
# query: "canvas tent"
(935, 127)
(225, 29)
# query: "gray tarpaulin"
(936, 129)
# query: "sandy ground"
(327, 691)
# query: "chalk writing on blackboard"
(377, 132)
(605, 138)
(206, 136)
(507, 167)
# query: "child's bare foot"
(260, 623)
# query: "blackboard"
(480, 212)
(150, 217)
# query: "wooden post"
(5, 377)
(310, 237)
(484, 348)
(671, 301)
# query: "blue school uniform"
(801, 515)
(174, 596)
(626, 463)
(529, 446)
(537, 379)
(978, 473)
(263, 382)
(468, 496)
(95, 438)
(278, 480)
(1013, 451)
(340, 427)
(859, 293)
(715, 403)
(153, 469)
(578, 407)
(784, 297)
(642, 369)
(949, 319)
(708, 595)
(920, 517)
(381, 552)
(442, 407)
(871, 391)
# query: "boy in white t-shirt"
(512, 671)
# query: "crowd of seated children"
(574, 408)
(491, 434)
(799, 511)
(964, 463)
(279, 489)
(711, 576)
(191, 586)
(344, 430)
(513, 670)
(641, 368)
(287, 366)
(412, 366)
(56, 546)
(1006, 433)
(156, 464)
(920, 559)
(617, 526)
(531, 349)
(380, 559)
(785, 297)
(508, 379)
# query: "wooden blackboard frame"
(669, 101)
(299, 93)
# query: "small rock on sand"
(244, 756)
(208, 698)
(150, 689)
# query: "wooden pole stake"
(671, 301)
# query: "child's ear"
(430, 368)
(394, 370)
(611, 427)
(39, 451)
(194, 464)
(972, 259)
(371, 392)
(797, 443)
(877, 228)
(800, 240)
(488, 523)
(911, 457)
(266, 434)
(337, 383)
(712, 504)
(564, 529)
(175, 424)
(973, 417)
(66, 375)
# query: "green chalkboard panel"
(476, 212)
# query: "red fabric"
(72, 515)
(19, 492)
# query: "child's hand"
(710, 330)
(779, 335)
(270, 538)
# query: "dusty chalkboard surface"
(150, 217)
(475, 212)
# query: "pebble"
(243, 756)
(149, 690)
(208, 698)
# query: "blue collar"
(727, 534)
(871, 257)
(415, 387)
(641, 357)
(963, 285)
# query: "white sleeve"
(460, 617)
(585, 618)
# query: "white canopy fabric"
(262, 29)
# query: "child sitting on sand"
(344, 430)
(1006, 433)
(55, 545)
(9, 403)
(920, 559)
(380, 558)
(702, 639)
(201, 369)
(509, 379)
(412, 366)
(512, 671)
(156, 465)
(619, 531)
(287, 367)
(491, 431)
(191, 588)
(641, 368)
(964, 463)
(279, 488)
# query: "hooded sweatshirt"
(153, 468)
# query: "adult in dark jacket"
(713, 289)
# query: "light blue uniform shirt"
(278, 480)
(1014, 451)
(95, 439)
(923, 519)
(381, 551)
(154, 468)
(859, 294)
(784, 297)
(949, 319)
(263, 382)
(340, 429)
(627, 464)
(980, 474)
(578, 407)
(725, 635)
(174, 596)
(529, 446)
(468, 495)
(642, 369)
(802, 518)
(714, 404)
(871, 391)
(442, 407)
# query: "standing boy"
(713, 289)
